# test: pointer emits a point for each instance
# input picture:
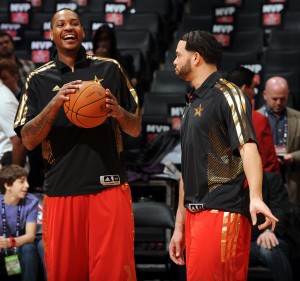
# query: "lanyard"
(5, 228)
(283, 141)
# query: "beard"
(7, 53)
(184, 71)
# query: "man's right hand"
(66, 90)
(177, 245)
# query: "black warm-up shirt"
(216, 122)
(78, 160)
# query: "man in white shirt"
(12, 150)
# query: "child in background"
(19, 209)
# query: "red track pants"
(217, 246)
(90, 237)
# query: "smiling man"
(87, 219)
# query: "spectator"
(10, 76)
(24, 67)
(268, 247)
(162, 154)
(285, 125)
(18, 221)
(12, 150)
(105, 45)
(244, 78)
(7, 50)
(164, 147)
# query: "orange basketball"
(87, 107)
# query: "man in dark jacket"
(268, 247)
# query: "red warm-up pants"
(217, 246)
(90, 237)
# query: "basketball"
(87, 107)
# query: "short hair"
(240, 76)
(10, 173)
(5, 34)
(205, 43)
(62, 9)
(9, 65)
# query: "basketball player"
(87, 220)
(218, 149)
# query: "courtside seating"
(204, 7)
(232, 59)
(284, 39)
(154, 224)
(167, 81)
(141, 39)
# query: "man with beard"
(88, 226)
(218, 150)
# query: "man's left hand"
(116, 110)
(258, 206)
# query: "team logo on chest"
(198, 111)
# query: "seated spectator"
(285, 126)
(10, 76)
(18, 223)
(244, 78)
(163, 149)
(274, 193)
(267, 247)
(12, 150)
(105, 45)
(7, 50)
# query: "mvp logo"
(19, 7)
(115, 8)
(10, 26)
(272, 8)
(71, 6)
(157, 128)
(225, 28)
(228, 11)
(96, 25)
(41, 45)
(177, 111)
